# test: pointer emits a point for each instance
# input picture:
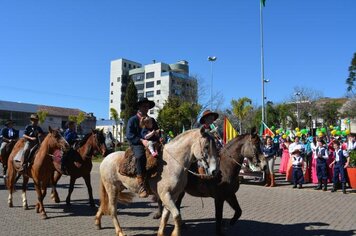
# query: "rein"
(187, 169)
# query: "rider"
(207, 120)
(137, 143)
(71, 137)
(31, 135)
(8, 134)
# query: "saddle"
(127, 165)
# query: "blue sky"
(58, 52)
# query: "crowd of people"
(316, 159)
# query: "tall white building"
(156, 81)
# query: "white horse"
(193, 145)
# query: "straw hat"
(206, 114)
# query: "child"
(298, 177)
(341, 161)
(321, 156)
(150, 134)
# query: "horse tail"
(104, 199)
(125, 197)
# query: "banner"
(265, 131)
(229, 131)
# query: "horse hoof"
(68, 203)
(25, 208)
(157, 215)
(11, 205)
(98, 226)
(44, 217)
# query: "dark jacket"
(133, 130)
(270, 151)
(33, 131)
(5, 133)
(70, 136)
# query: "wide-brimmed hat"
(296, 148)
(206, 114)
(34, 117)
(145, 100)
(9, 121)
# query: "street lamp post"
(264, 109)
(211, 59)
(298, 94)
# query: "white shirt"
(337, 158)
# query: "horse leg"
(164, 219)
(24, 188)
(113, 192)
(90, 190)
(232, 200)
(54, 194)
(219, 204)
(158, 213)
(44, 192)
(39, 197)
(11, 184)
(171, 207)
(70, 191)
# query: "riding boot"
(343, 185)
(272, 181)
(268, 180)
(325, 185)
(334, 188)
(319, 185)
(142, 192)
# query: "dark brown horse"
(40, 170)
(91, 144)
(5, 153)
(226, 185)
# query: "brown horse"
(5, 153)
(91, 144)
(226, 185)
(41, 170)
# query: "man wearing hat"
(207, 120)
(31, 135)
(137, 143)
(9, 134)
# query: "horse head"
(54, 140)
(251, 149)
(206, 153)
(98, 142)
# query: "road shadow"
(250, 227)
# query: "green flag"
(263, 2)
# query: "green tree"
(329, 112)
(350, 81)
(130, 101)
(42, 115)
(78, 119)
(115, 116)
(240, 108)
(189, 113)
(169, 117)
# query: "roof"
(33, 108)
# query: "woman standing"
(285, 155)
(269, 151)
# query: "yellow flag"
(229, 131)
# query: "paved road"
(266, 211)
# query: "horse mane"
(233, 142)
(181, 136)
(85, 139)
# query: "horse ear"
(50, 129)
(253, 131)
(93, 130)
(102, 130)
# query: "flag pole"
(262, 61)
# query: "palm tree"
(42, 115)
(115, 116)
(240, 108)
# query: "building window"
(125, 64)
(158, 82)
(118, 79)
(139, 86)
(111, 101)
(150, 75)
(138, 77)
(134, 66)
(158, 92)
(150, 84)
(112, 92)
(139, 95)
(149, 94)
(152, 112)
(129, 66)
(112, 83)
